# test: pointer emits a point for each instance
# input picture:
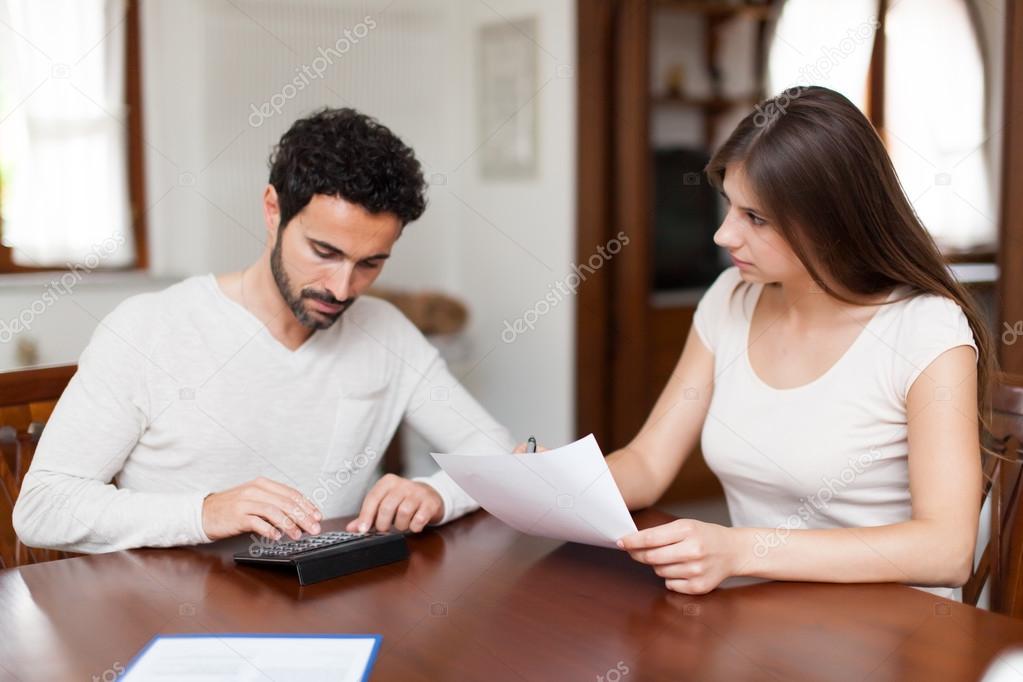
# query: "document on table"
(567, 493)
(282, 658)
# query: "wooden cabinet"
(631, 332)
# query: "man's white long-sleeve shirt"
(183, 392)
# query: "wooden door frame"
(632, 178)
(593, 201)
(612, 197)
(1010, 245)
(612, 187)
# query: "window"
(923, 85)
(823, 42)
(67, 185)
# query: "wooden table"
(480, 601)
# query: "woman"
(832, 374)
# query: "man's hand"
(262, 506)
(398, 502)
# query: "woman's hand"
(693, 557)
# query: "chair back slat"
(1001, 562)
(27, 399)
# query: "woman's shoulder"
(921, 310)
(921, 327)
(721, 306)
(724, 288)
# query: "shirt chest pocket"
(362, 429)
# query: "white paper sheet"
(282, 658)
(567, 493)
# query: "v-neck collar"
(257, 325)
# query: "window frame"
(875, 103)
(135, 161)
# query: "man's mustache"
(326, 298)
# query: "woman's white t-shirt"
(832, 453)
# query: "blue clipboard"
(377, 639)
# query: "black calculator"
(328, 555)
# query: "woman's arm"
(645, 467)
(935, 547)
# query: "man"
(259, 401)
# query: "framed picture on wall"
(507, 94)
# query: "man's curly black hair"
(343, 153)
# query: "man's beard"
(311, 319)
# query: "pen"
(531, 444)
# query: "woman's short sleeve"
(712, 312)
(930, 326)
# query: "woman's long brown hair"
(826, 181)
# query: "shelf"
(713, 104)
(676, 298)
(975, 273)
(980, 254)
(719, 9)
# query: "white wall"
(514, 240)
(59, 317)
(496, 245)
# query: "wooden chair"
(1001, 563)
(433, 313)
(27, 398)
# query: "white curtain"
(823, 42)
(934, 117)
(63, 132)
(934, 98)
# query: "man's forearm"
(63, 512)
(458, 424)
